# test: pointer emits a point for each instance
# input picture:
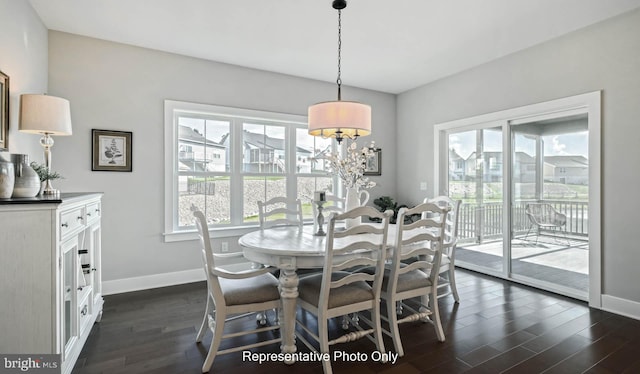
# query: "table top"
(290, 247)
(295, 242)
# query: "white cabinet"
(50, 274)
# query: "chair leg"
(345, 322)
(218, 332)
(435, 314)
(399, 308)
(375, 317)
(529, 231)
(393, 326)
(427, 302)
(204, 327)
(452, 283)
(323, 334)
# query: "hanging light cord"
(339, 80)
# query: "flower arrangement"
(44, 173)
(351, 167)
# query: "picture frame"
(111, 150)
(4, 112)
(374, 164)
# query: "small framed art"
(4, 111)
(374, 164)
(111, 150)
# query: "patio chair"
(542, 216)
(232, 295)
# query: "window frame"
(237, 117)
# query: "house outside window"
(224, 160)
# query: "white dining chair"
(280, 211)
(336, 292)
(231, 295)
(447, 285)
(420, 240)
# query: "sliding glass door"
(526, 181)
(549, 217)
(476, 177)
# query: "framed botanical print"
(374, 164)
(4, 111)
(111, 150)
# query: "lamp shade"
(351, 118)
(43, 114)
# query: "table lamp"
(46, 115)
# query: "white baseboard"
(620, 306)
(152, 281)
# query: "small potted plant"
(44, 173)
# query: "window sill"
(228, 232)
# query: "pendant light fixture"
(339, 119)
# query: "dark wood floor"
(498, 327)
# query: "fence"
(199, 187)
(477, 223)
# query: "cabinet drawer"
(71, 220)
(93, 211)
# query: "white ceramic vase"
(354, 199)
(27, 182)
(7, 178)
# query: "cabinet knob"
(65, 225)
(84, 311)
(80, 288)
(80, 218)
(89, 214)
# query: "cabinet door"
(69, 325)
(95, 255)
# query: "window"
(224, 160)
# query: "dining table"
(290, 248)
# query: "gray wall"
(119, 87)
(23, 57)
(604, 57)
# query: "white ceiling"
(390, 46)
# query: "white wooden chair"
(336, 292)
(450, 242)
(544, 216)
(232, 295)
(422, 239)
(280, 211)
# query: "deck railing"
(478, 223)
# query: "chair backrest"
(450, 239)
(208, 260)
(423, 239)
(369, 239)
(280, 211)
(334, 204)
(545, 214)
